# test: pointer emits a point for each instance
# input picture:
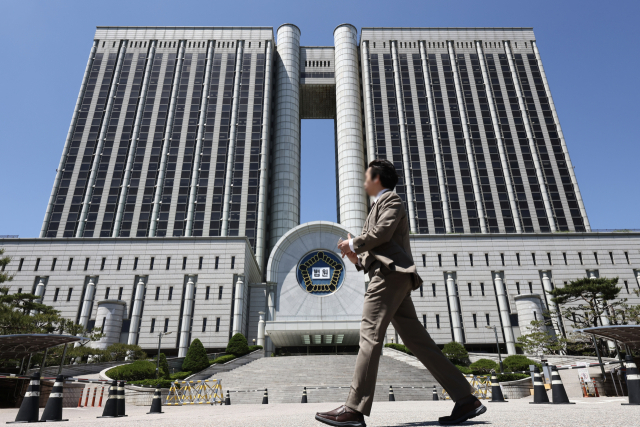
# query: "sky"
(589, 49)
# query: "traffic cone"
(28, 412)
(101, 396)
(392, 398)
(633, 381)
(80, 400)
(435, 393)
(227, 400)
(121, 406)
(558, 393)
(53, 409)
(304, 396)
(595, 388)
(156, 402)
(265, 398)
(496, 391)
(539, 392)
(111, 406)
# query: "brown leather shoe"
(342, 417)
(464, 409)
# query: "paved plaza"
(586, 412)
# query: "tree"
(483, 366)
(164, 367)
(196, 359)
(518, 362)
(456, 353)
(237, 345)
(4, 261)
(540, 341)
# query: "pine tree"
(237, 345)
(196, 359)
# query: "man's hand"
(344, 246)
(352, 257)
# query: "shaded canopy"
(626, 334)
(17, 346)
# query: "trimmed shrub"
(464, 370)
(164, 366)
(222, 359)
(518, 362)
(138, 370)
(483, 366)
(180, 375)
(153, 383)
(253, 348)
(511, 377)
(196, 359)
(456, 353)
(119, 351)
(237, 345)
(400, 347)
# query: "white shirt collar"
(384, 190)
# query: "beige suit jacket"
(385, 238)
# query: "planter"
(516, 389)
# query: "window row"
(549, 258)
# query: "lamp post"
(495, 331)
(158, 361)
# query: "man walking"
(383, 252)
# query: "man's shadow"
(435, 423)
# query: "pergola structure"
(21, 345)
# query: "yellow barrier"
(195, 393)
(481, 387)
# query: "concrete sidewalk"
(586, 412)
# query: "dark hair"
(385, 170)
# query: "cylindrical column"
(496, 130)
(136, 312)
(67, 142)
(637, 273)
(261, 232)
(112, 311)
(39, 290)
(88, 302)
(260, 340)
(231, 150)
(271, 313)
(285, 154)
(368, 102)
(604, 320)
(532, 144)
(187, 310)
(197, 156)
(406, 164)
(166, 142)
(436, 140)
(548, 287)
(452, 295)
(134, 140)
(237, 307)
(103, 134)
(565, 151)
(503, 306)
(471, 158)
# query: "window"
(535, 316)
(206, 295)
(424, 321)
(626, 285)
(22, 262)
(233, 262)
(439, 260)
(626, 255)
(580, 257)
(518, 287)
(549, 258)
(166, 324)
(204, 324)
(595, 255)
(482, 289)
(19, 290)
(471, 259)
(153, 260)
(69, 294)
(486, 259)
(533, 257)
(433, 289)
(119, 263)
(106, 292)
(217, 259)
(104, 260)
(564, 256)
(488, 321)
(217, 324)
(135, 263)
(502, 259)
(157, 293)
(184, 263)
(53, 264)
(170, 293)
(200, 263)
(475, 321)
(455, 259)
(104, 320)
(120, 293)
(168, 262)
(610, 256)
(438, 321)
(424, 260)
(530, 287)
(518, 258)
(86, 264)
(469, 286)
(55, 294)
(37, 264)
(220, 292)
(153, 325)
(421, 290)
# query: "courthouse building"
(176, 203)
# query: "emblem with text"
(320, 272)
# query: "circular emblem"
(320, 272)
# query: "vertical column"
(103, 133)
(136, 313)
(546, 285)
(260, 340)
(271, 311)
(166, 142)
(436, 140)
(565, 151)
(261, 234)
(187, 310)
(496, 130)
(134, 140)
(38, 292)
(195, 176)
(368, 102)
(67, 142)
(231, 150)
(503, 307)
(285, 158)
(637, 274)
(532, 144)
(454, 307)
(237, 307)
(87, 302)
(406, 164)
(604, 320)
(471, 158)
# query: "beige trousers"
(388, 299)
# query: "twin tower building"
(176, 203)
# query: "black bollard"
(304, 396)
(496, 391)
(392, 398)
(156, 402)
(558, 393)
(53, 409)
(265, 398)
(539, 392)
(227, 400)
(121, 406)
(28, 412)
(633, 381)
(435, 393)
(111, 407)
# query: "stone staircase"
(229, 366)
(285, 378)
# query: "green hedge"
(180, 375)
(253, 348)
(400, 347)
(511, 377)
(138, 370)
(196, 359)
(222, 359)
(483, 366)
(518, 362)
(153, 383)
(237, 345)
(456, 353)
(465, 370)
